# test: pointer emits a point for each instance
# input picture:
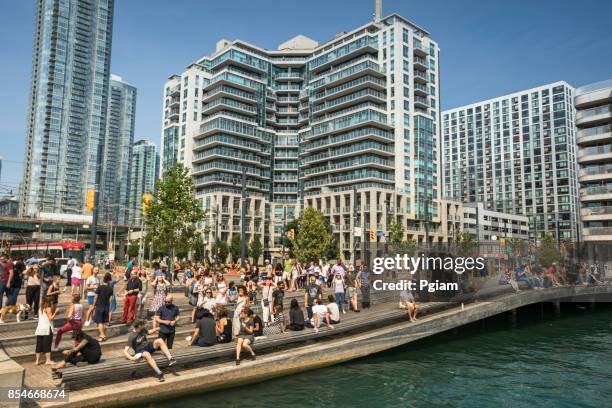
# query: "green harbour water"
(542, 361)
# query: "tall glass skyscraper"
(144, 171)
(118, 151)
(68, 104)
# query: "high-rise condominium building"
(517, 154)
(594, 137)
(118, 151)
(144, 172)
(68, 103)
(312, 124)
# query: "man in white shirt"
(320, 314)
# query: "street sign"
(380, 234)
(358, 232)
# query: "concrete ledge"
(11, 376)
(225, 375)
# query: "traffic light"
(292, 233)
(372, 235)
(146, 203)
(502, 241)
(91, 200)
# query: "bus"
(58, 250)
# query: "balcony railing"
(598, 231)
(596, 190)
(596, 211)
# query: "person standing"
(363, 281)
(69, 269)
(49, 270)
(339, 289)
(311, 292)
(128, 269)
(104, 292)
(53, 292)
(167, 316)
(160, 289)
(6, 272)
(77, 275)
(91, 286)
(267, 290)
(133, 288)
(33, 289)
(142, 295)
(15, 281)
(278, 296)
(351, 291)
(87, 272)
(44, 332)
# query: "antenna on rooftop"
(377, 10)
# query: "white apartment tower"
(594, 122)
(517, 154)
(350, 127)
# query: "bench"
(118, 368)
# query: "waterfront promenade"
(380, 328)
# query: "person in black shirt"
(224, 327)
(205, 334)
(278, 295)
(16, 280)
(257, 326)
(49, 269)
(137, 341)
(104, 292)
(87, 349)
(296, 317)
(166, 317)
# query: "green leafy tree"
(407, 246)
(235, 247)
(396, 230)
(255, 249)
(516, 248)
(133, 249)
(174, 213)
(333, 251)
(313, 239)
(466, 243)
(221, 249)
(548, 252)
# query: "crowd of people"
(229, 303)
(557, 274)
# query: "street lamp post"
(243, 220)
(284, 228)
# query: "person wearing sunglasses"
(167, 317)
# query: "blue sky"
(488, 47)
